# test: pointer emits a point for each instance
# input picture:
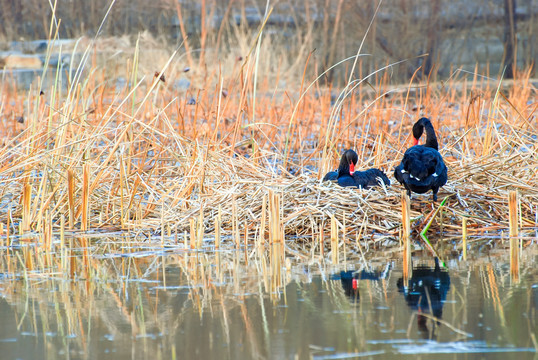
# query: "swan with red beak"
(347, 176)
(422, 168)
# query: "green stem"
(423, 232)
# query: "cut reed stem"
(85, 197)
(406, 234)
(514, 234)
(464, 236)
(334, 240)
(71, 197)
(218, 221)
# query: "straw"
(406, 234)
(514, 233)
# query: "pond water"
(154, 303)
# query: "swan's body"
(347, 176)
(422, 168)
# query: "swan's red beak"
(415, 141)
(351, 169)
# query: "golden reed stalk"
(514, 234)
(406, 232)
(85, 196)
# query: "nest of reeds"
(183, 185)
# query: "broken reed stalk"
(28, 259)
(162, 219)
(26, 201)
(122, 213)
(193, 233)
(8, 226)
(63, 250)
(344, 250)
(218, 222)
(47, 236)
(406, 234)
(200, 230)
(261, 237)
(464, 236)
(85, 196)
(84, 242)
(514, 234)
(235, 223)
(275, 238)
(275, 224)
(334, 240)
(72, 259)
(245, 241)
(322, 240)
(71, 197)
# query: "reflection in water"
(350, 280)
(426, 293)
(350, 285)
(119, 300)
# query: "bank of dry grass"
(164, 159)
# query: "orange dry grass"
(160, 156)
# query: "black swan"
(422, 167)
(426, 294)
(347, 176)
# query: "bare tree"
(510, 48)
(432, 37)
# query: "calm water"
(149, 304)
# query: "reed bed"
(224, 160)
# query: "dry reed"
(159, 160)
(464, 237)
(406, 234)
(514, 234)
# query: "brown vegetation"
(142, 159)
(150, 157)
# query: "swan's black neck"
(349, 157)
(343, 168)
(437, 267)
(424, 124)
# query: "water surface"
(150, 303)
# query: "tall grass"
(147, 157)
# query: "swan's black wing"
(422, 169)
(346, 180)
(370, 177)
(331, 176)
(398, 174)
